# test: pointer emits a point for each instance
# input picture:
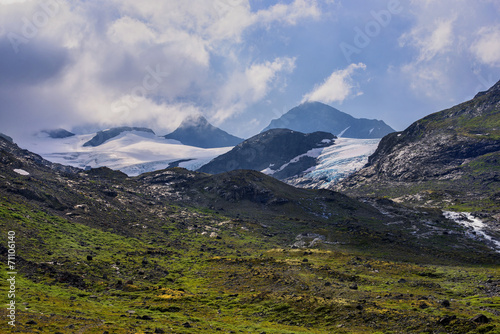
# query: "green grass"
(240, 283)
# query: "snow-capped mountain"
(279, 152)
(315, 160)
(197, 131)
(131, 151)
(315, 116)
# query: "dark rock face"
(273, 149)
(197, 131)
(58, 133)
(102, 136)
(460, 144)
(315, 116)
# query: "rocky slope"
(450, 157)
(281, 153)
(315, 116)
(197, 131)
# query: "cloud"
(337, 87)
(430, 41)
(486, 48)
(41, 62)
(290, 14)
(250, 86)
(142, 62)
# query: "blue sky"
(97, 64)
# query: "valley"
(410, 250)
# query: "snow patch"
(343, 131)
(21, 172)
(314, 153)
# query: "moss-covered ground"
(74, 278)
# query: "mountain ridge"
(454, 152)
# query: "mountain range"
(316, 116)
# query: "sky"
(94, 64)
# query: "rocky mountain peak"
(196, 120)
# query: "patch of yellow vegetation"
(171, 294)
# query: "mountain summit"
(197, 131)
(315, 116)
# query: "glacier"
(336, 162)
(133, 152)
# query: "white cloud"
(111, 45)
(430, 41)
(429, 80)
(10, 2)
(290, 14)
(487, 47)
(250, 86)
(337, 87)
(131, 31)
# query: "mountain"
(450, 159)
(281, 153)
(102, 136)
(58, 133)
(315, 116)
(176, 251)
(197, 131)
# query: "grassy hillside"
(230, 283)
(180, 252)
